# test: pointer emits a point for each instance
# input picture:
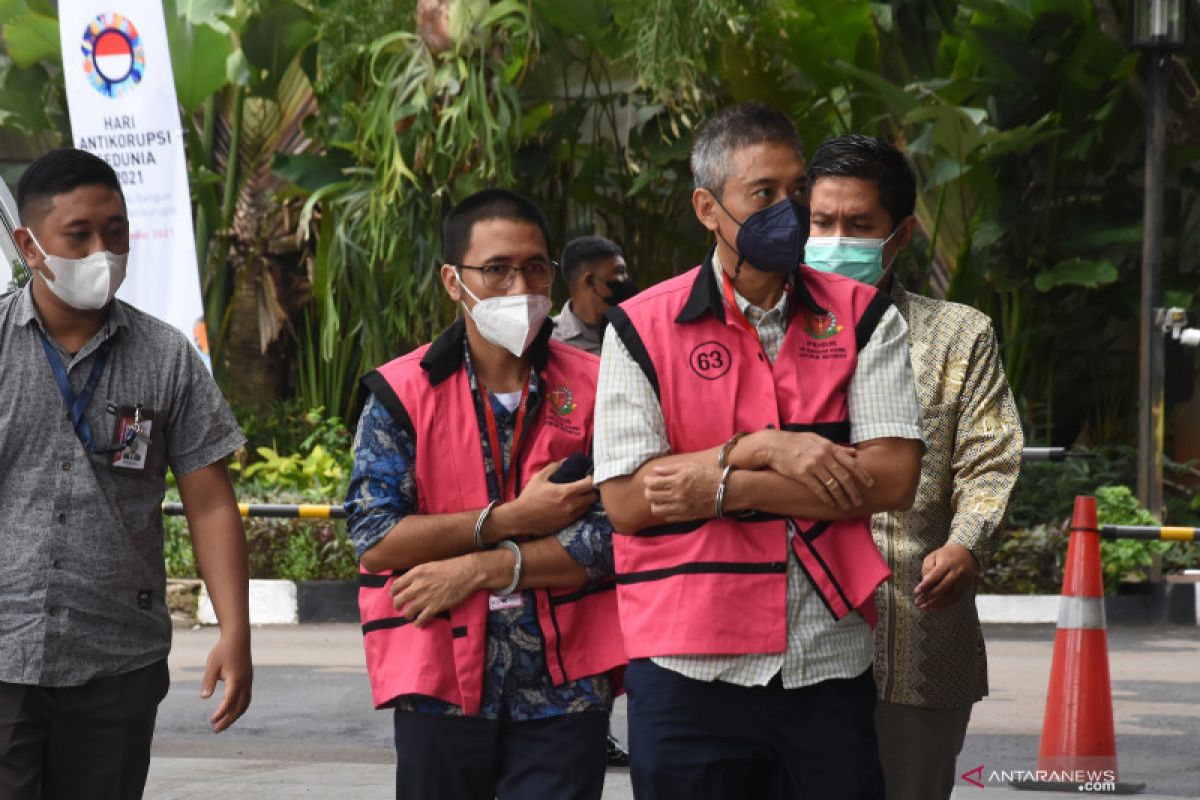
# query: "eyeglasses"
(539, 273)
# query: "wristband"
(516, 578)
(483, 516)
(727, 448)
(721, 485)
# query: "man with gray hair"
(751, 415)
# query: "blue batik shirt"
(516, 681)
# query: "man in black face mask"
(751, 415)
(595, 273)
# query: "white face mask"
(85, 283)
(510, 321)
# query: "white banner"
(121, 97)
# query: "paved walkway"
(311, 733)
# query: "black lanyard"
(77, 404)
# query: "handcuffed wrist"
(722, 487)
(727, 449)
(509, 544)
(480, 522)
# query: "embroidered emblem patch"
(562, 401)
(823, 326)
(710, 360)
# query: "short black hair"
(732, 129)
(484, 205)
(59, 172)
(585, 250)
(872, 158)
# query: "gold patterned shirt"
(973, 456)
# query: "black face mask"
(772, 239)
(620, 291)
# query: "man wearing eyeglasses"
(489, 616)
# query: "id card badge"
(134, 425)
(500, 602)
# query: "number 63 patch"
(710, 360)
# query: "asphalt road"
(311, 732)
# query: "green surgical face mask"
(860, 259)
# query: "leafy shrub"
(289, 428)
(177, 544)
(319, 472)
(1029, 556)
(302, 458)
(1124, 560)
(1026, 561)
(291, 549)
(1046, 490)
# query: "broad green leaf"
(900, 101)
(1102, 237)
(205, 12)
(22, 95)
(944, 170)
(533, 118)
(1077, 272)
(272, 39)
(312, 172)
(32, 37)
(198, 58)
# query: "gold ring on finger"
(829, 483)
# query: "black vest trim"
(633, 343)
(562, 665)
(828, 574)
(388, 623)
(603, 586)
(809, 536)
(878, 306)
(833, 431)
(813, 584)
(378, 386)
(677, 528)
(368, 581)
(702, 568)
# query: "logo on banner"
(113, 58)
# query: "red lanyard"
(738, 316)
(494, 439)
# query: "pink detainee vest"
(445, 660)
(720, 586)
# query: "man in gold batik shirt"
(930, 663)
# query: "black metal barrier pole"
(277, 510)
(1051, 454)
(1150, 533)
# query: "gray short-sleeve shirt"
(82, 579)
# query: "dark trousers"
(715, 741)
(468, 758)
(919, 749)
(88, 741)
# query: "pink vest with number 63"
(446, 659)
(719, 586)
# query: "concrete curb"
(278, 602)
(1017, 608)
(271, 603)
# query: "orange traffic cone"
(1079, 748)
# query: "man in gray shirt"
(595, 273)
(99, 400)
